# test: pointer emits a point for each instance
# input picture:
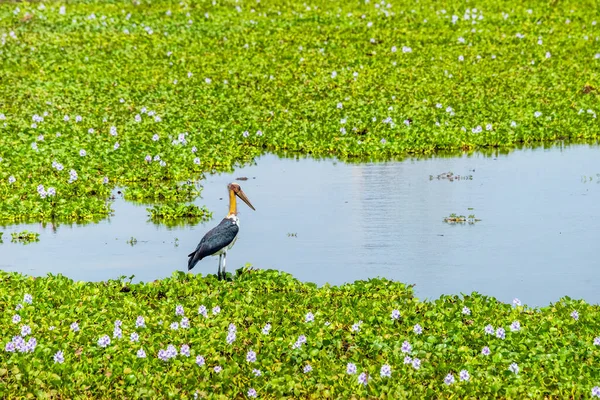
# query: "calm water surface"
(537, 239)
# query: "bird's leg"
(224, 261)
(219, 271)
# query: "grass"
(148, 95)
(270, 322)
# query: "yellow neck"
(232, 204)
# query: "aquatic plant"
(25, 237)
(146, 95)
(188, 335)
(461, 219)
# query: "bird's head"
(237, 191)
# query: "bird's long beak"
(242, 196)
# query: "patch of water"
(537, 238)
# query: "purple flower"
(155, 137)
(105, 180)
(406, 347)
(596, 391)
(416, 363)
(500, 334)
(218, 369)
(216, 310)
(418, 329)
(307, 368)
(515, 326)
(246, 134)
(252, 392)
(141, 353)
(231, 328)
(104, 341)
(25, 330)
(231, 337)
(51, 191)
(162, 354)
(59, 357)
(175, 326)
(350, 369)
(395, 314)
(16, 319)
(200, 361)
(407, 360)
(514, 367)
(575, 315)
(464, 375)
(363, 379)
(489, 329)
(250, 356)
(449, 379)
(10, 347)
(117, 333)
(485, 351)
(30, 346)
(148, 158)
(171, 351)
(385, 371)
(202, 311)
(266, 329)
(309, 317)
(11, 179)
(597, 341)
(75, 327)
(466, 310)
(134, 337)
(179, 310)
(19, 307)
(516, 302)
(82, 153)
(256, 372)
(139, 322)
(185, 323)
(185, 350)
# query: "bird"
(222, 237)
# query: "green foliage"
(221, 83)
(189, 213)
(353, 323)
(25, 237)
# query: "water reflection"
(536, 240)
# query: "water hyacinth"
(185, 350)
(252, 393)
(515, 326)
(406, 347)
(251, 356)
(395, 314)
(449, 379)
(74, 327)
(134, 337)
(464, 375)
(307, 368)
(351, 368)
(257, 372)
(500, 334)
(16, 319)
(363, 379)
(309, 317)
(385, 371)
(418, 329)
(200, 361)
(104, 341)
(575, 315)
(266, 329)
(59, 357)
(485, 351)
(140, 322)
(416, 363)
(141, 353)
(514, 368)
(489, 330)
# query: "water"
(537, 238)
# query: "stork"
(223, 236)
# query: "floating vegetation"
(132, 241)
(590, 178)
(1, 234)
(179, 212)
(461, 219)
(292, 235)
(98, 95)
(25, 237)
(451, 177)
(268, 334)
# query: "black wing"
(214, 240)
